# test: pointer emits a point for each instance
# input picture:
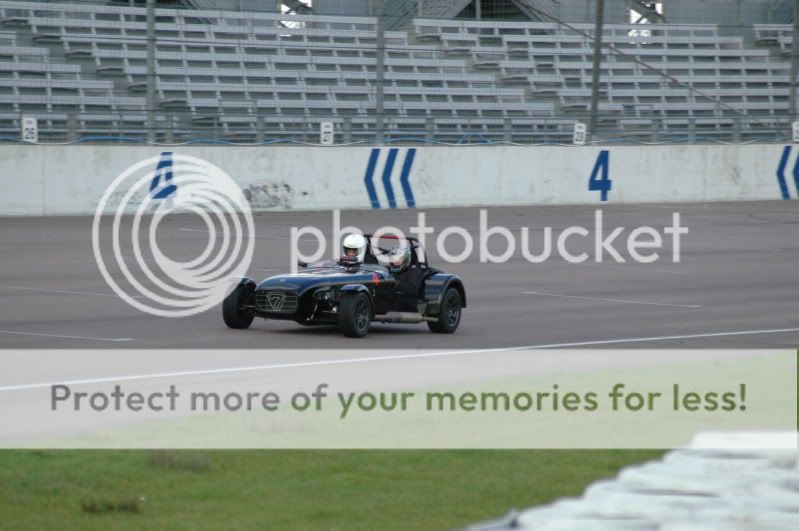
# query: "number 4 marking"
(603, 184)
(162, 189)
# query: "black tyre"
(355, 315)
(232, 312)
(450, 316)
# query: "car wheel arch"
(349, 290)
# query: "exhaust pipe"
(404, 317)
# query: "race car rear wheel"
(355, 315)
(450, 316)
(232, 313)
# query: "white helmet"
(355, 245)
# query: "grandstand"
(255, 76)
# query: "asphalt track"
(735, 286)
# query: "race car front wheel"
(450, 316)
(355, 315)
(232, 313)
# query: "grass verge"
(288, 489)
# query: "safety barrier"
(66, 180)
(725, 482)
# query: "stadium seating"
(249, 77)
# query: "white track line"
(68, 292)
(156, 262)
(699, 246)
(722, 218)
(115, 339)
(259, 236)
(610, 300)
(615, 265)
(422, 355)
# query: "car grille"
(276, 301)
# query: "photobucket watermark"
(125, 231)
(575, 244)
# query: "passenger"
(409, 275)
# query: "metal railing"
(612, 128)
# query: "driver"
(354, 249)
(409, 276)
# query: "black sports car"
(353, 295)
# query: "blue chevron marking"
(392, 155)
(367, 179)
(406, 171)
(781, 172)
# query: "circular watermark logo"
(132, 216)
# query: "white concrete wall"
(54, 180)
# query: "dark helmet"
(399, 258)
